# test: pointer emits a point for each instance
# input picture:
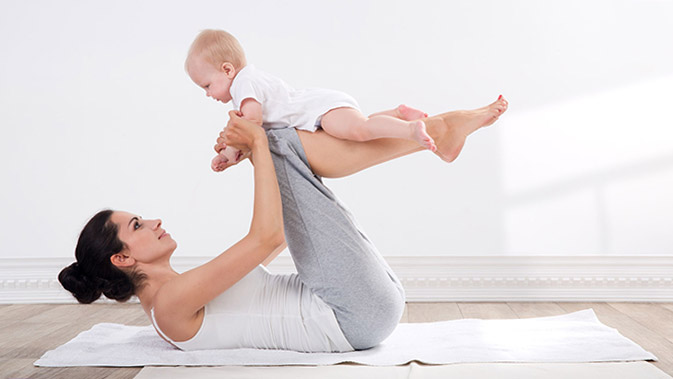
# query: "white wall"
(96, 111)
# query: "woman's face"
(145, 240)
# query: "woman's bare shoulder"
(170, 317)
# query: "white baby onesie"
(282, 105)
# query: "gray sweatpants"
(333, 256)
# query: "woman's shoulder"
(169, 316)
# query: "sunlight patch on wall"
(599, 167)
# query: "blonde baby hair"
(217, 47)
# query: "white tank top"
(266, 311)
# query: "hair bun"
(73, 279)
(120, 289)
(76, 269)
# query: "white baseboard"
(521, 278)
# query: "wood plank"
(123, 373)
(52, 335)
(487, 310)
(668, 306)
(31, 339)
(628, 327)
(59, 313)
(19, 336)
(127, 314)
(38, 328)
(430, 312)
(16, 368)
(86, 372)
(23, 368)
(651, 315)
(92, 314)
(17, 312)
(405, 314)
(528, 309)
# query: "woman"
(345, 297)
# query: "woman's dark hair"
(93, 273)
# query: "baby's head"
(213, 61)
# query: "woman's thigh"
(330, 157)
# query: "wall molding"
(429, 278)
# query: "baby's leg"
(403, 112)
(449, 130)
(350, 124)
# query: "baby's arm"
(252, 110)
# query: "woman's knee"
(387, 301)
(391, 309)
(379, 321)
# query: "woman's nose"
(158, 221)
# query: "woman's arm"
(178, 303)
(275, 253)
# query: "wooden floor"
(27, 331)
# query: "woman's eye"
(136, 226)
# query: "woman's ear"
(121, 260)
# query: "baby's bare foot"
(219, 163)
(449, 130)
(421, 135)
(228, 157)
(408, 113)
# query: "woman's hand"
(241, 134)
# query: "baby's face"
(215, 81)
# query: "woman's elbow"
(272, 239)
(277, 239)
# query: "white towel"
(575, 337)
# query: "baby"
(216, 62)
